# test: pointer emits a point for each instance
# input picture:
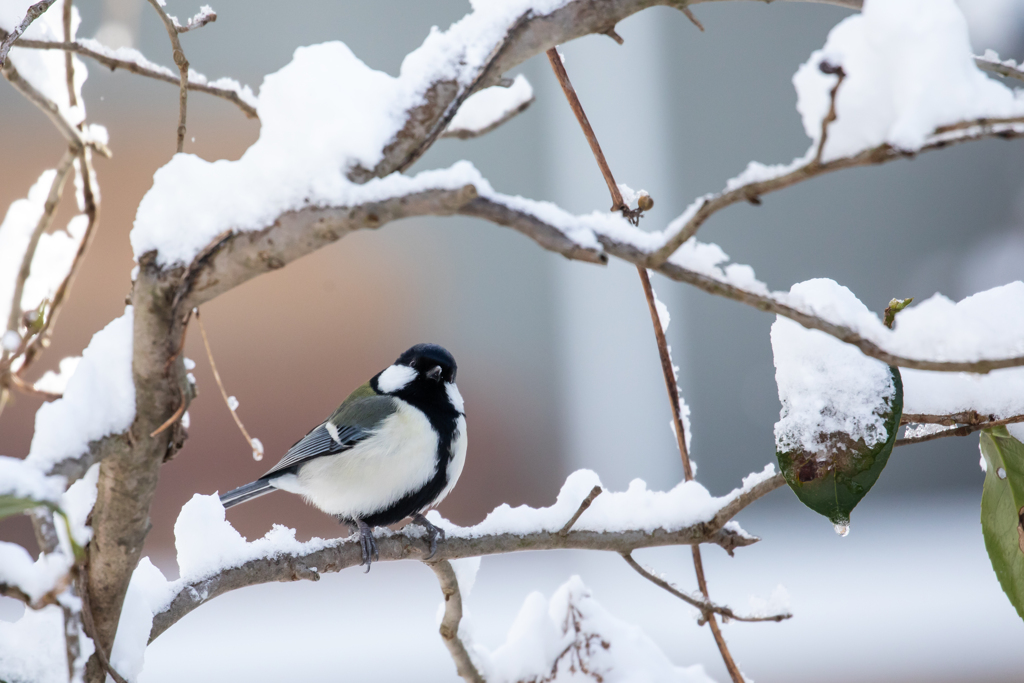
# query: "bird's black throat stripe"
(431, 397)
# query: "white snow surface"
(147, 592)
(637, 507)
(99, 398)
(555, 636)
(35, 578)
(22, 480)
(490, 106)
(52, 261)
(206, 542)
(825, 385)
(909, 70)
(57, 382)
(32, 648)
(15, 232)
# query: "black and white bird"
(394, 448)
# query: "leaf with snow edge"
(23, 487)
(833, 480)
(840, 409)
(1002, 511)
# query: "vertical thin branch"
(69, 66)
(91, 208)
(659, 334)
(45, 221)
(182, 63)
(588, 131)
(450, 622)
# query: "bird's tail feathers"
(247, 492)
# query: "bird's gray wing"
(356, 419)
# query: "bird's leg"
(432, 532)
(367, 544)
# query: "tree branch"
(450, 622)
(178, 54)
(344, 553)
(965, 131)
(969, 427)
(114, 63)
(706, 608)
(994, 65)
(34, 12)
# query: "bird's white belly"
(397, 459)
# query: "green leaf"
(832, 486)
(12, 505)
(1002, 511)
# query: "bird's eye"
(434, 373)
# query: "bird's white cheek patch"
(395, 377)
(455, 397)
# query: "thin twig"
(997, 67)
(34, 12)
(450, 622)
(224, 393)
(198, 21)
(577, 108)
(69, 65)
(829, 69)
(134, 67)
(174, 417)
(48, 107)
(30, 389)
(962, 430)
(92, 212)
(45, 221)
(594, 493)
(693, 20)
(182, 63)
(666, 360)
(704, 606)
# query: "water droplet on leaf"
(842, 529)
(1001, 473)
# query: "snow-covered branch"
(133, 61)
(33, 13)
(215, 559)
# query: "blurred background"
(557, 360)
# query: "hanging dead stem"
(257, 452)
(666, 361)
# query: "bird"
(394, 448)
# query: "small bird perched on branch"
(394, 447)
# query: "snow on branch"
(1004, 67)
(213, 558)
(891, 82)
(487, 109)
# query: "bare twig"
(134, 67)
(198, 21)
(52, 111)
(835, 70)
(666, 360)
(976, 129)
(224, 393)
(69, 65)
(91, 210)
(341, 554)
(175, 416)
(594, 493)
(693, 20)
(966, 429)
(182, 63)
(588, 131)
(450, 622)
(706, 608)
(45, 221)
(30, 389)
(34, 12)
(468, 134)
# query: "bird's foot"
(433, 532)
(367, 544)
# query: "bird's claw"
(433, 532)
(367, 544)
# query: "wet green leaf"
(1002, 511)
(834, 484)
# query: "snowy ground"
(908, 595)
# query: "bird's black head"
(430, 361)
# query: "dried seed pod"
(645, 203)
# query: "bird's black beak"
(434, 373)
